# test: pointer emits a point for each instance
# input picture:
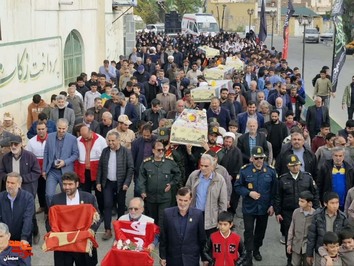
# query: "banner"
(263, 24)
(191, 127)
(289, 13)
(339, 49)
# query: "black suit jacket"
(94, 126)
(85, 197)
(187, 250)
(243, 144)
(311, 118)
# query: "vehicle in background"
(312, 35)
(327, 36)
(156, 28)
(199, 23)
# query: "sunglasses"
(160, 150)
(258, 158)
(132, 208)
(14, 144)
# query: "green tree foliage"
(152, 10)
(347, 20)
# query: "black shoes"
(257, 256)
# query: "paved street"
(317, 55)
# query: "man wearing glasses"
(157, 175)
(257, 186)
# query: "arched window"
(73, 57)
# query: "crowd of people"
(111, 130)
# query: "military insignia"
(147, 159)
(259, 150)
(162, 132)
(254, 170)
(244, 166)
(190, 219)
(215, 130)
(250, 186)
(264, 170)
(293, 159)
(237, 177)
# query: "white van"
(199, 23)
(156, 28)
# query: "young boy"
(346, 250)
(331, 246)
(297, 235)
(224, 247)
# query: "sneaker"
(282, 240)
(107, 235)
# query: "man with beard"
(111, 104)
(62, 111)
(150, 89)
(282, 93)
(125, 108)
(157, 175)
(316, 115)
(226, 103)
(98, 109)
(142, 149)
(277, 131)
(107, 124)
(220, 113)
(127, 136)
(251, 112)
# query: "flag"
(263, 24)
(289, 13)
(339, 49)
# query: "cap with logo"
(213, 130)
(8, 116)
(293, 160)
(257, 151)
(164, 133)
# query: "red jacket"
(224, 251)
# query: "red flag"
(289, 13)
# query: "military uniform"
(255, 214)
(154, 176)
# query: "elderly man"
(60, 153)
(115, 173)
(210, 192)
(226, 103)
(335, 175)
(62, 111)
(251, 94)
(157, 175)
(177, 111)
(167, 99)
(251, 139)
(107, 124)
(127, 136)
(222, 115)
(151, 89)
(17, 209)
(316, 116)
(76, 100)
(257, 186)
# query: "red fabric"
(225, 250)
(136, 231)
(70, 226)
(127, 258)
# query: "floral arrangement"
(129, 245)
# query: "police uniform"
(287, 195)
(153, 179)
(262, 181)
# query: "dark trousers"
(155, 211)
(234, 199)
(63, 258)
(41, 193)
(110, 200)
(350, 112)
(284, 228)
(210, 231)
(87, 186)
(255, 227)
(136, 189)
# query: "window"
(73, 57)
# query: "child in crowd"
(297, 236)
(346, 250)
(224, 246)
(331, 247)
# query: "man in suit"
(128, 108)
(251, 139)
(89, 121)
(60, 153)
(72, 196)
(182, 234)
(243, 118)
(62, 111)
(316, 116)
(222, 115)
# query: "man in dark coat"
(182, 235)
(316, 116)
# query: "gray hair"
(209, 158)
(121, 95)
(15, 174)
(115, 90)
(337, 149)
(60, 97)
(113, 132)
(251, 120)
(63, 121)
(4, 228)
(107, 115)
(140, 201)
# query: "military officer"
(157, 175)
(257, 186)
(289, 186)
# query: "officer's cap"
(257, 151)
(164, 133)
(293, 160)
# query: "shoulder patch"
(271, 166)
(245, 166)
(169, 158)
(147, 159)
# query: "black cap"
(257, 151)
(164, 133)
(293, 160)
(214, 130)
